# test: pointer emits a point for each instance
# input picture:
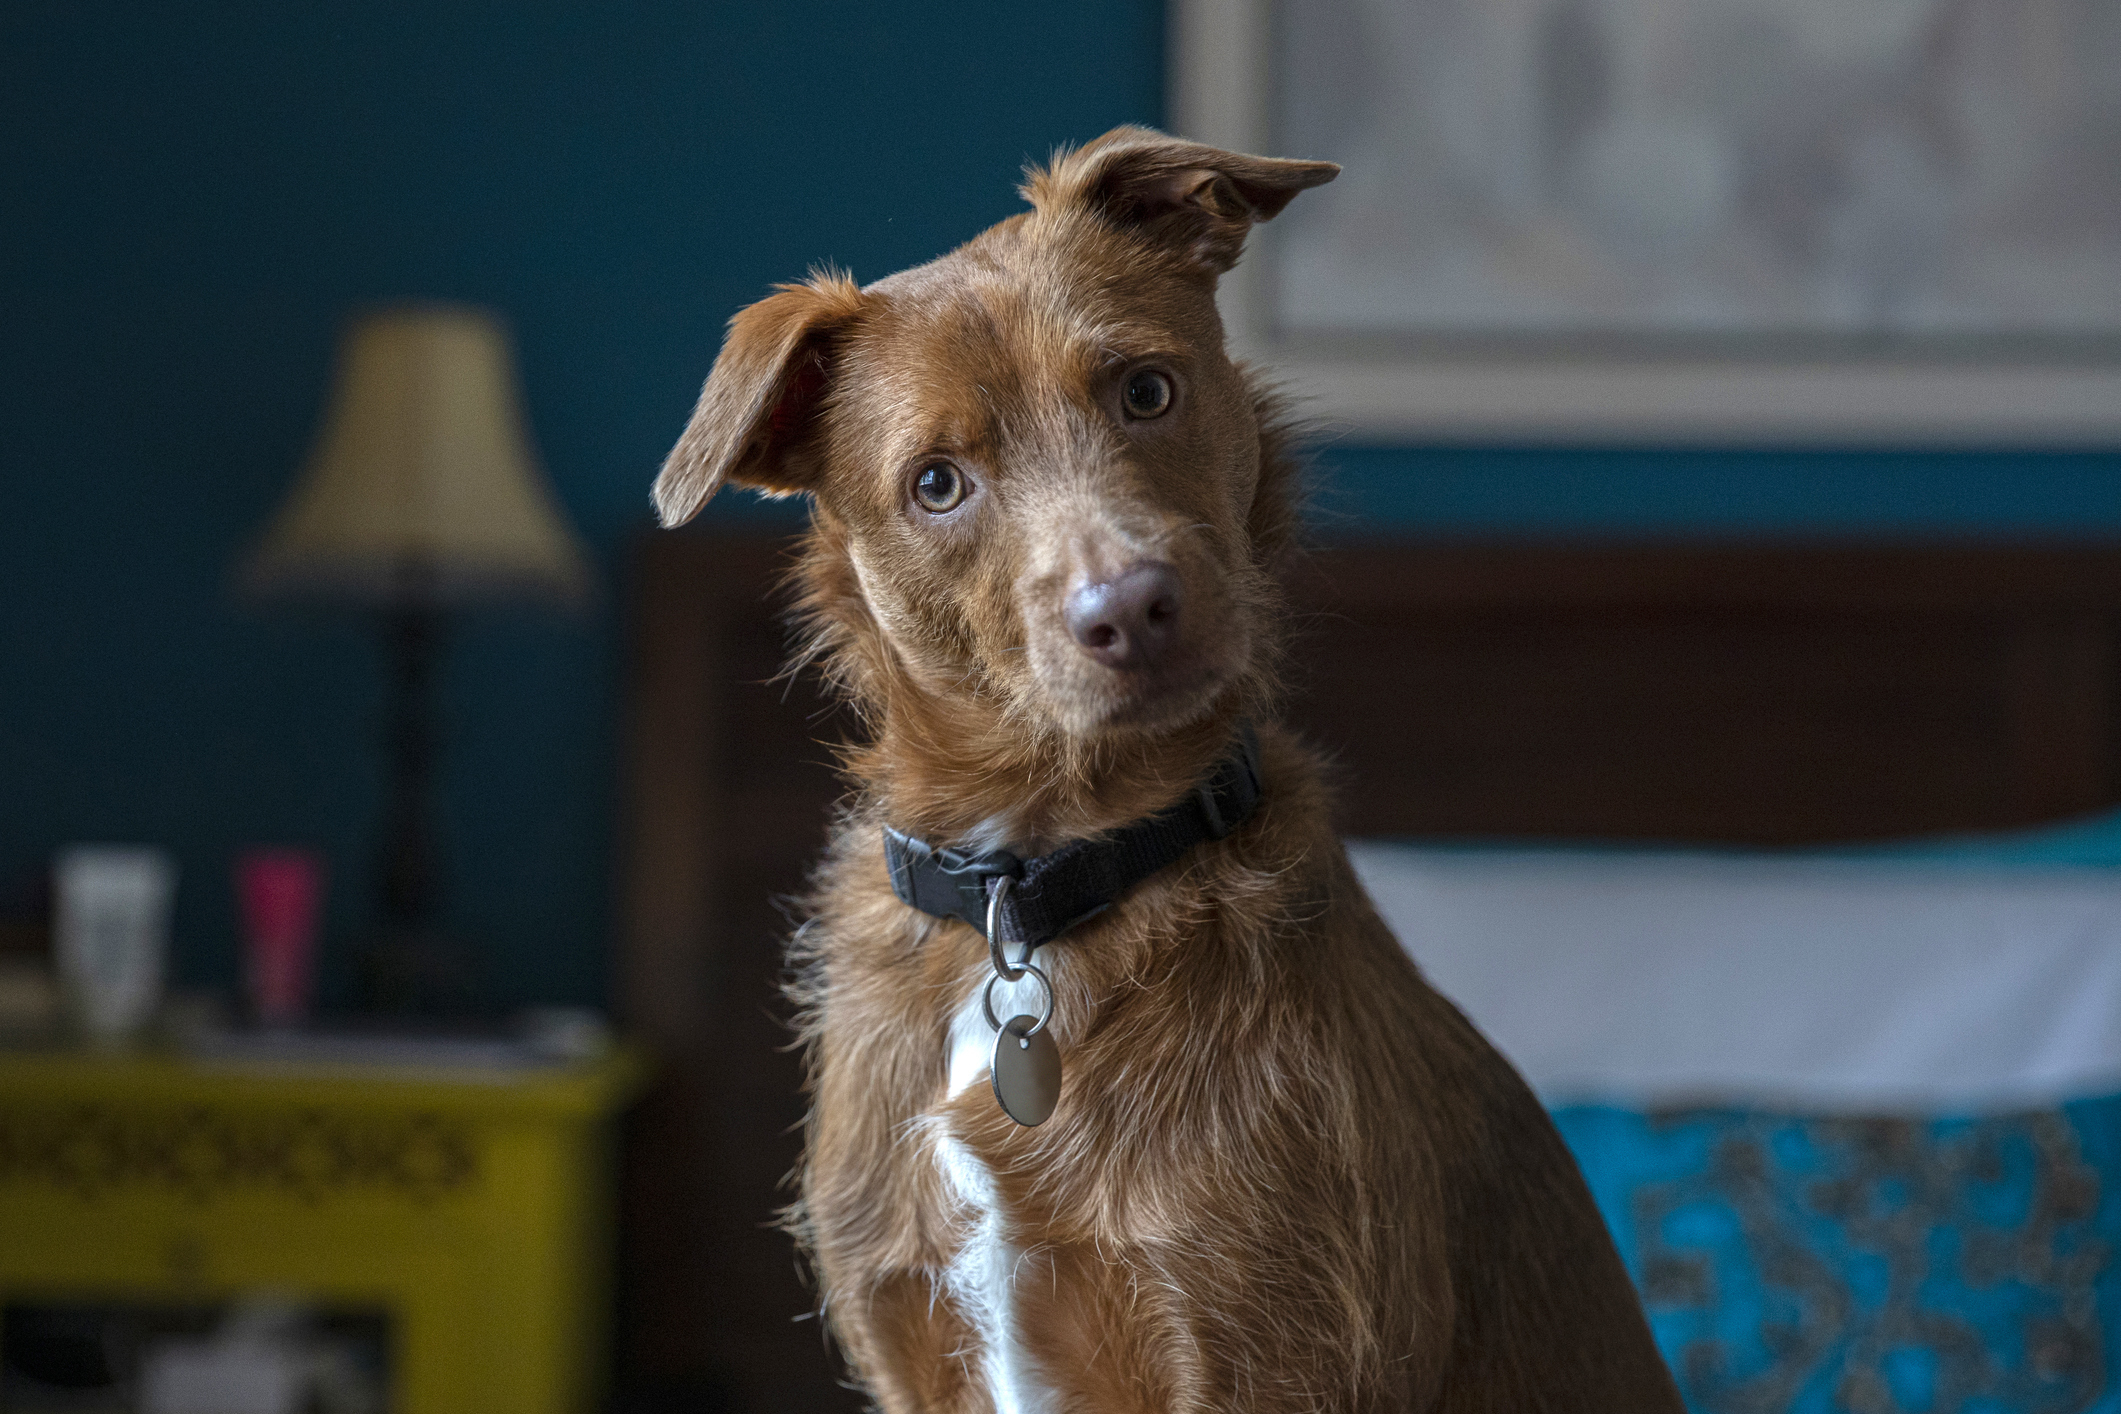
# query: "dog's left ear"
(756, 416)
(1199, 199)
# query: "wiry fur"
(1285, 1175)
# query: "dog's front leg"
(912, 1349)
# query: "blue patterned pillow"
(1793, 1263)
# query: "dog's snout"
(1130, 620)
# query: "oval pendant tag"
(1027, 1073)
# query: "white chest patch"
(982, 1276)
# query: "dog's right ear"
(755, 416)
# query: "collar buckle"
(949, 883)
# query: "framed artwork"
(1825, 222)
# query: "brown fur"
(1285, 1174)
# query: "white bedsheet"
(1824, 985)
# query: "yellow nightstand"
(472, 1207)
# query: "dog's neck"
(1028, 792)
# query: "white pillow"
(1660, 979)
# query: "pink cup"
(281, 891)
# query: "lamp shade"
(422, 487)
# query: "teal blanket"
(1932, 1266)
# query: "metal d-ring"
(1045, 1014)
(1003, 969)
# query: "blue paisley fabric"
(1876, 1265)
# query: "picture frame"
(1225, 76)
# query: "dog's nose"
(1130, 620)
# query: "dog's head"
(1039, 472)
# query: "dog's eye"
(939, 487)
(1148, 394)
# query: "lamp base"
(409, 966)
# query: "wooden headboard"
(1743, 694)
(1757, 695)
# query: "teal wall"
(194, 196)
(1472, 491)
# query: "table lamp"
(422, 495)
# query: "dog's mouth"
(1162, 700)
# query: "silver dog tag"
(1027, 1072)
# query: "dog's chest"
(983, 1274)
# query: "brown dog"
(1283, 1174)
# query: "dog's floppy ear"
(760, 402)
(1199, 199)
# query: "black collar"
(1056, 891)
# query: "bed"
(1685, 709)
